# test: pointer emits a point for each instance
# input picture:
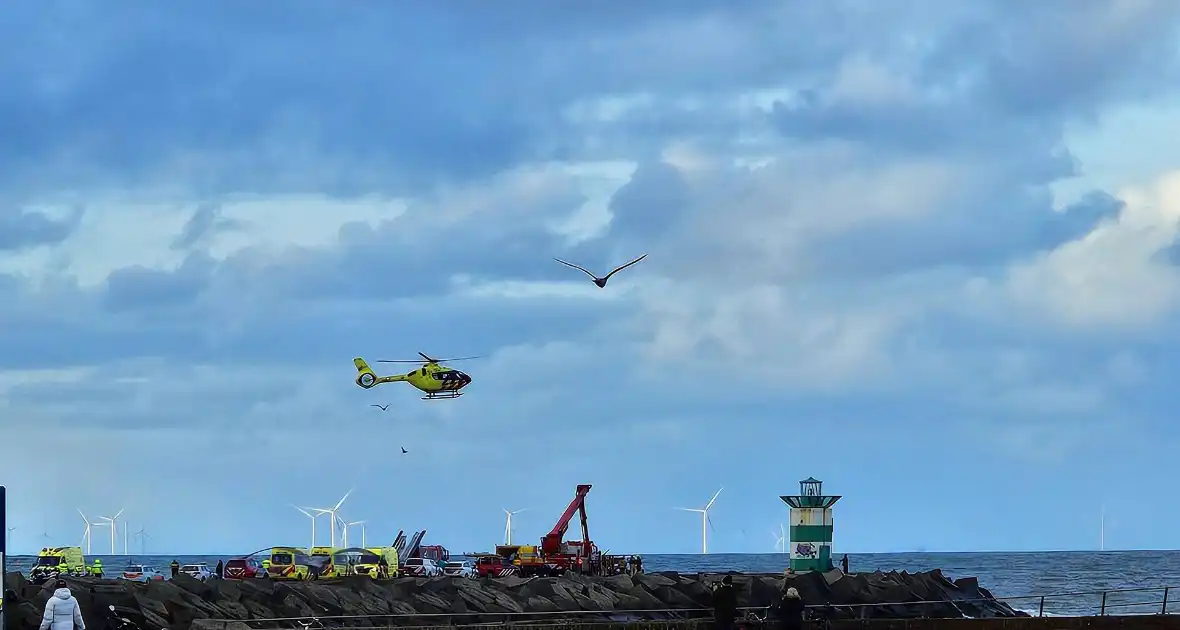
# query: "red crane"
(577, 552)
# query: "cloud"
(205, 223)
(26, 229)
(859, 253)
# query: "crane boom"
(551, 543)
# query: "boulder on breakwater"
(182, 603)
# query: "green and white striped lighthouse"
(811, 527)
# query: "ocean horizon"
(1072, 582)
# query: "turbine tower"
(143, 536)
(112, 522)
(87, 536)
(705, 522)
(348, 525)
(313, 518)
(780, 538)
(508, 524)
(332, 512)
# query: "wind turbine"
(112, 522)
(142, 535)
(313, 518)
(332, 512)
(347, 525)
(705, 522)
(86, 535)
(508, 524)
(780, 539)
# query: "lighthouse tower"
(811, 526)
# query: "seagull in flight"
(601, 282)
(381, 407)
(404, 451)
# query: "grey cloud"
(137, 287)
(205, 223)
(332, 103)
(981, 233)
(22, 229)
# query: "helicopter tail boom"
(366, 378)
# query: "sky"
(925, 252)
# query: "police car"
(199, 571)
(421, 567)
(459, 568)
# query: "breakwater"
(361, 602)
(1139, 622)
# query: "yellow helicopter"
(438, 381)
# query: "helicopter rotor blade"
(428, 359)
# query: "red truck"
(492, 565)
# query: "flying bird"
(381, 407)
(404, 451)
(601, 282)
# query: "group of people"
(785, 614)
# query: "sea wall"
(180, 603)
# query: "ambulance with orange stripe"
(292, 563)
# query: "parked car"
(422, 567)
(199, 571)
(244, 568)
(141, 573)
(459, 568)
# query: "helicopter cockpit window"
(423, 371)
(440, 376)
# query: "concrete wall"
(1138, 622)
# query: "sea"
(1053, 583)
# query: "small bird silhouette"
(404, 451)
(381, 407)
(601, 282)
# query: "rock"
(183, 603)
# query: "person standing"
(220, 568)
(724, 604)
(175, 568)
(62, 611)
(787, 613)
(844, 564)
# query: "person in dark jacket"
(844, 564)
(724, 604)
(220, 569)
(787, 613)
(175, 568)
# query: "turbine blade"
(713, 499)
(342, 499)
(688, 509)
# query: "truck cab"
(494, 565)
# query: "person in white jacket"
(62, 611)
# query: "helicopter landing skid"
(442, 396)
